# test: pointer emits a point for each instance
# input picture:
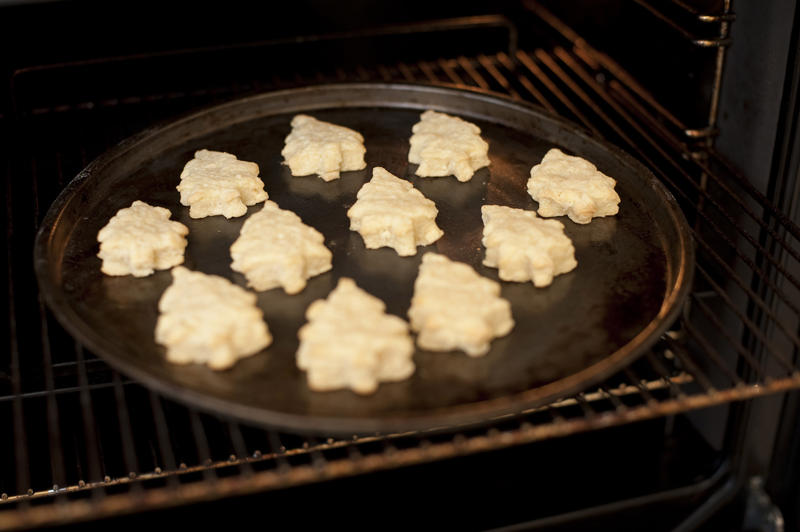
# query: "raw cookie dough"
(447, 145)
(322, 148)
(456, 308)
(350, 342)
(390, 212)
(564, 184)
(525, 247)
(216, 182)
(141, 239)
(206, 319)
(275, 248)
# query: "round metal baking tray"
(634, 269)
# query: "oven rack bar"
(120, 460)
(603, 65)
(265, 471)
(706, 16)
(724, 16)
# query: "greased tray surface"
(633, 272)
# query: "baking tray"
(634, 269)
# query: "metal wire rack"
(115, 447)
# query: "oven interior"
(700, 433)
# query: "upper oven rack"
(114, 446)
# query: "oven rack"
(115, 447)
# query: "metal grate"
(113, 446)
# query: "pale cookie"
(564, 184)
(524, 247)
(275, 248)
(447, 145)
(322, 148)
(141, 239)
(206, 319)
(389, 211)
(456, 308)
(216, 182)
(350, 342)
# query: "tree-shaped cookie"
(275, 248)
(389, 211)
(350, 342)
(525, 247)
(206, 319)
(445, 145)
(140, 239)
(565, 184)
(216, 182)
(322, 148)
(456, 308)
